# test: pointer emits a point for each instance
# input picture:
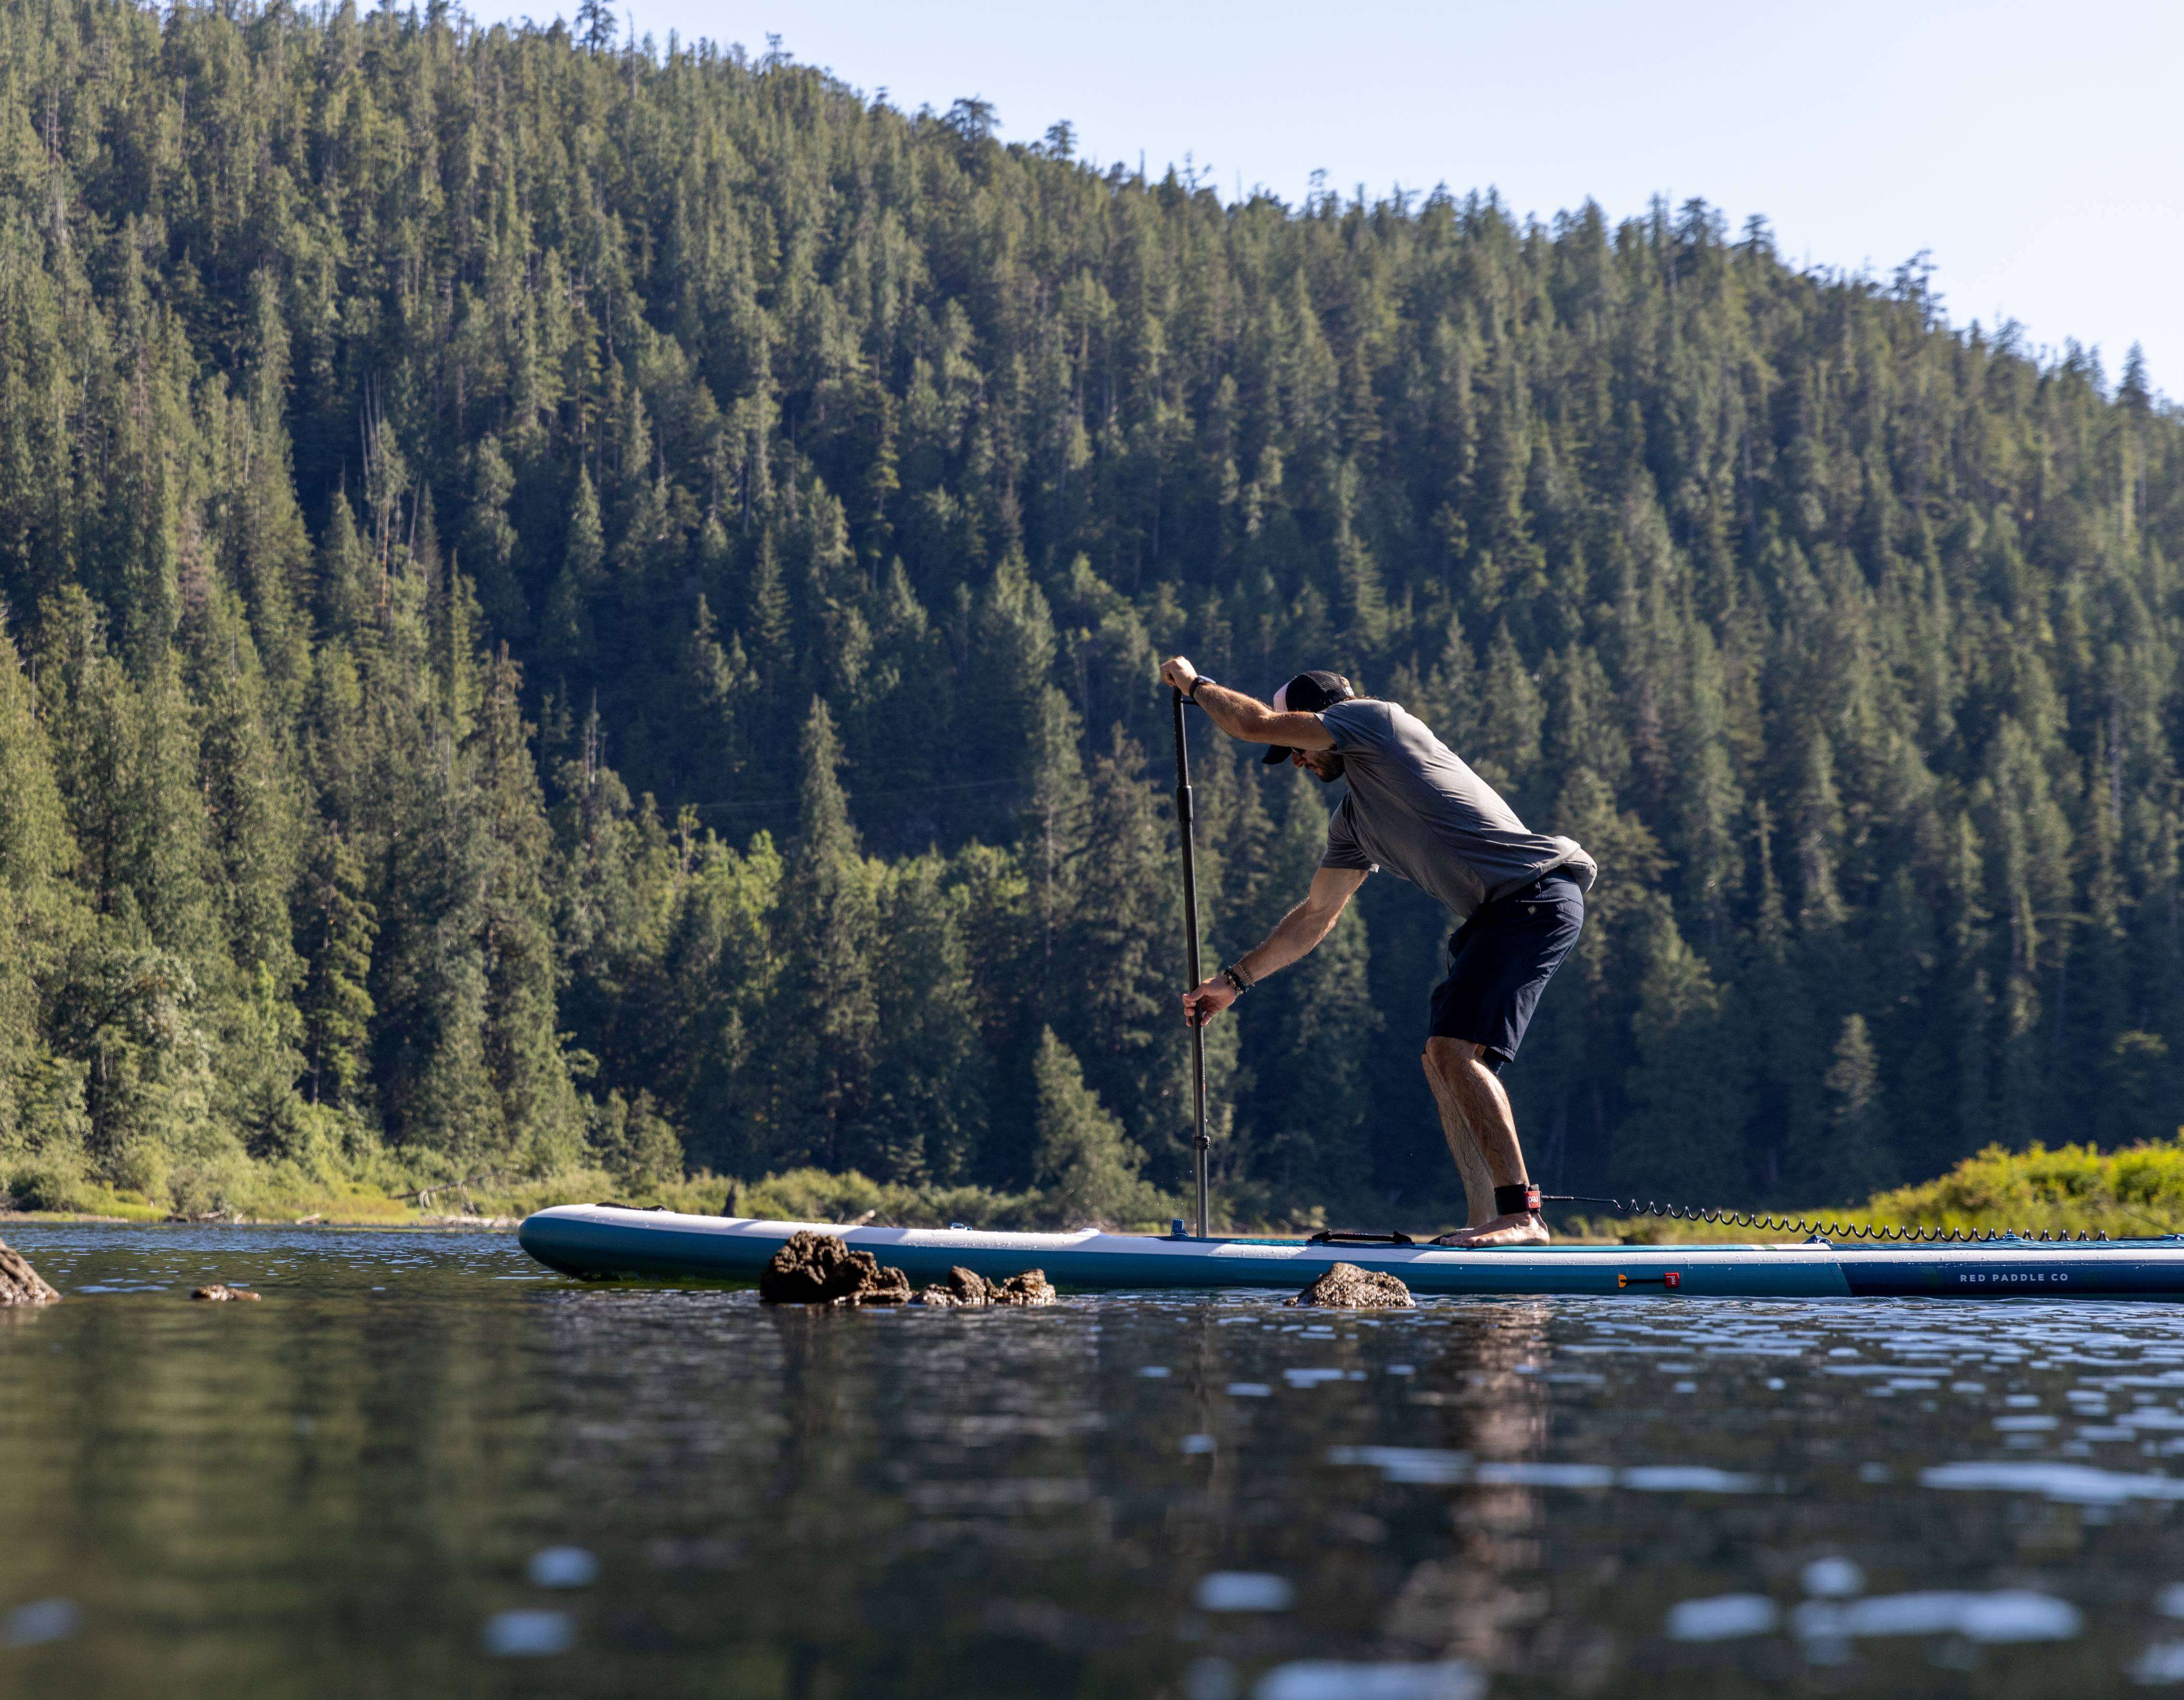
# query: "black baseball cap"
(1307, 694)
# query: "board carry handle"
(1348, 1236)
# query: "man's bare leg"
(1470, 1161)
(1481, 1131)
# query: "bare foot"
(1518, 1229)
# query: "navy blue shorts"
(1501, 960)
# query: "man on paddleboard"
(1414, 807)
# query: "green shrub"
(48, 1184)
(2135, 1192)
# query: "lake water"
(422, 1466)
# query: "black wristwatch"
(1191, 694)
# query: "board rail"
(607, 1241)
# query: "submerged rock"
(967, 1287)
(821, 1269)
(20, 1284)
(1346, 1287)
(217, 1290)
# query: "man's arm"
(1293, 935)
(1247, 717)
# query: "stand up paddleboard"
(604, 1240)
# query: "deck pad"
(603, 1241)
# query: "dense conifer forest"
(580, 604)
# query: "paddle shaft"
(1199, 1144)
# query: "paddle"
(1200, 1143)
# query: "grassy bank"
(2068, 1189)
(381, 1194)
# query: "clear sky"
(2032, 150)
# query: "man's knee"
(1451, 1059)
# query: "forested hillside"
(571, 604)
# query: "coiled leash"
(1509, 1200)
(1798, 1224)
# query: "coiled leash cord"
(1798, 1224)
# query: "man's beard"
(1332, 772)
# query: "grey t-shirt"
(1415, 807)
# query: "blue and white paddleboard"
(599, 1240)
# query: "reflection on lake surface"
(422, 1466)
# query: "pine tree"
(1509, 744)
(720, 685)
(250, 795)
(720, 975)
(340, 925)
(634, 1142)
(345, 596)
(428, 979)
(770, 618)
(1125, 962)
(1310, 1123)
(1788, 1150)
(826, 1019)
(41, 1120)
(272, 550)
(1052, 828)
(1859, 1158)
(929, 1064)
(521, 1049)
(1689, 1091)
(1012, 651)
(489, 542)
(565, 635)
(1088, 1166)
